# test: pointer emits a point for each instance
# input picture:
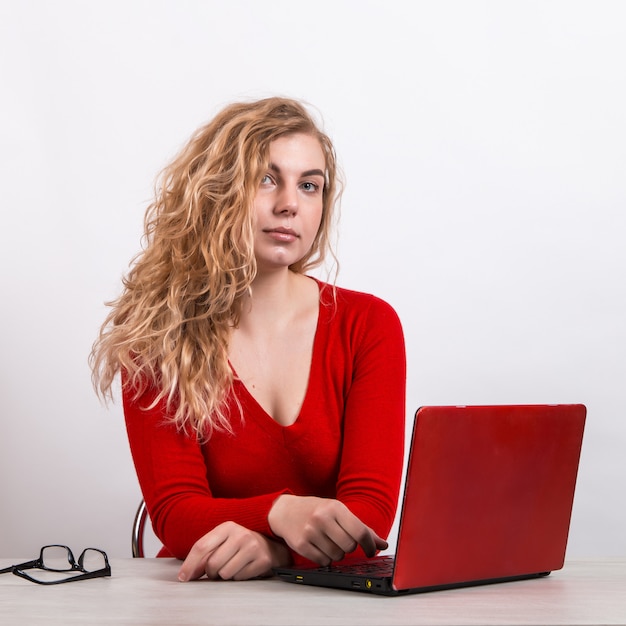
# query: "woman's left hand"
(233, 552)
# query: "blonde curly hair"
(169, 329)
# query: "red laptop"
(488, 498)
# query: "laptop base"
(380, 586)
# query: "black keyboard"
(377, 567)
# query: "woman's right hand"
(233, 552)
(321, 529)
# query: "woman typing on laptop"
(264, 408)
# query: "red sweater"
(347, 442)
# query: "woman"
(264, 408)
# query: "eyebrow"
(315, 172)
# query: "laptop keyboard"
(378, 567)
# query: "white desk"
(145, 591)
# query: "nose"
(287, 202)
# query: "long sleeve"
(374, 421)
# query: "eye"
(267, 180)
(310, 187)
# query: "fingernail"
(182, 577)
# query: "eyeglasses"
(55, 560)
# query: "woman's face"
(289, 202)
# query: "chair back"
(141, 517)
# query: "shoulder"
(357, 305)
(364, 328)
(348, 298)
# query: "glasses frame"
(74, 566)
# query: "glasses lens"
(57, 559)
(92, 560)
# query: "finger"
(193, 566)
(312, 551)
(341, 541)
(330, 550)
(324, 543)
(256, 559)
(364, 536)
(371, 543)
(243, 555)
(257, 568)
(368, 543)
(242, 566)
(381, 544)
(224, 561)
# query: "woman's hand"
(320, 529)
(232, 552)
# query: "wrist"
(276, 513)
(279, 553)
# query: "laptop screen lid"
(488, 493)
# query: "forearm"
(179, 522)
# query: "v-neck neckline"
(312, 365)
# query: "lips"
(281, 234)
(282, 231)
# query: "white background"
(484, 144)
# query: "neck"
(272, 297)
